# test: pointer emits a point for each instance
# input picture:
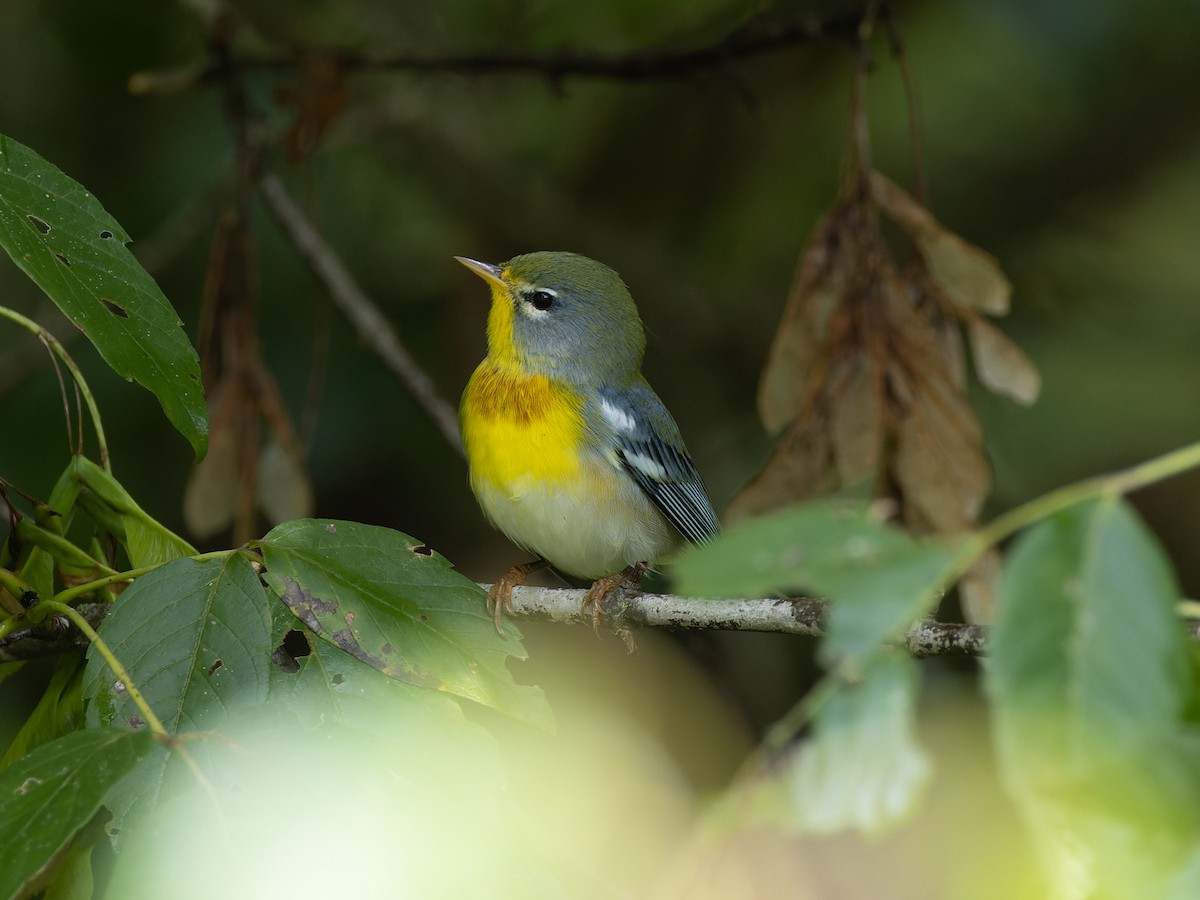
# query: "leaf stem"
(1122, 482)
(76, 617)
(1110, 485)
(66, 596)
(60, 351)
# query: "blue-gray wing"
(649, 447)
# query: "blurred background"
(1062, 138)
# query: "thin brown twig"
(372, 326)
(916, 134)
(758, 36)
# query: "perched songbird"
(571, 453)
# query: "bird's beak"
(486, 271)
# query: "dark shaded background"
(1063, 138)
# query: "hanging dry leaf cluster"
(867, 377)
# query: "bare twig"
(786, 616)
(758, 36)
(34, 642)
(372, 326)
(802, 616)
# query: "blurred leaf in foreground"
(48, 796)
(878, 579)
(861, 767)
(1090, 680)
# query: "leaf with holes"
(382, 597)
(63, 239)
(48, 796)
(195, 638)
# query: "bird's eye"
(541, 299)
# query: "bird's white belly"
(589, 532)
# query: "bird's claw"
(629, 578)
(499, 595)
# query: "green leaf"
(62, 238)
(397, 606)
(861, 768)
(332, 688)
(878, 579)
(146, 542)
(195, 640)
(48, 796)
(1089, 679)
(59, 711)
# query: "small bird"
(571, 453)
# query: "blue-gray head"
(563, 315)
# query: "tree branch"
(372, 326)
(778, 615)
(56, 635)
(758, 36)
(804, 616)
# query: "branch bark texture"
(803, 616)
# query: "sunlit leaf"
(861, 767)
(48, 796)
(62, 238)
(1089, 678)
(397, 606)
(195, 639)
(332, 687)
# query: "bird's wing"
(650, 449)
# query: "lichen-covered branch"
(804, 616)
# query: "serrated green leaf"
(878, 579)
(63, 239)
(861, 768)
(146, 541)
(400, 608)
(48, 796)
(1089, 680)
(195, 639)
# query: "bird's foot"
(629, 578)
(499, 595)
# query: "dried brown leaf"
(800, 467)
(211, 494)
(856, 422)
(817, 289)
(284, 491)
(977, 589)
(939, 464)
(969, 275)
(1001, 365)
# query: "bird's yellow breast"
(519, 428)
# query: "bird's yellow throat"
(518, 427)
